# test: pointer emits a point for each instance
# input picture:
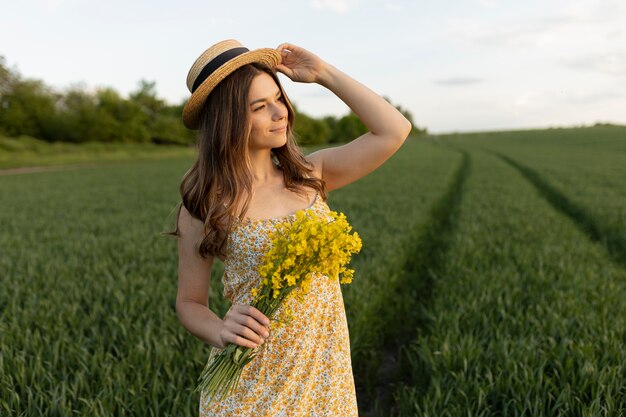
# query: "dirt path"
(29, 170)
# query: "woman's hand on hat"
(299, 64)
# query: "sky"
(457, 66)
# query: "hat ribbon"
(215, 63)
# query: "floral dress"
(304, 368)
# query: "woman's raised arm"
(388, 128)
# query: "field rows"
(476, 293)
(528, 314)
(581, 172)
(89, 286)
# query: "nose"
(280, 111)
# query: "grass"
(476, 293)
(414, 180)
(26, 151)
(528, 312)
(580, 171)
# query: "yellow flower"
(347, 276)
(291, 280)
(310, 247)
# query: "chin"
(280, 144)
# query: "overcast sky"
(455, 65)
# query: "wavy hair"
(215, 184)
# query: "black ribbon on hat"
(215, 63)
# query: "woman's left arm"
(388, 128)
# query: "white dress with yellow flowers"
(303, 368)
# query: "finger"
(260, 317)
(241, 341)
(252, 318)
(229, 336)
(285, 56)
(235, 330)
(254, 326)
(284, 70)
(283, 46)
(259, 329)
(249, 334)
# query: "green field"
(492, 282)
(26, 151)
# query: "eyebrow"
(264, 99)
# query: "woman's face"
(267, 113)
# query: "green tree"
(7, 77)
(169, 129)
(164, 122)
(27, 107)
(77, 116)
(310, 131)
(146, 98)
(345, 129)
(120, 120)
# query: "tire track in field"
(60, 167)
(614, 243)
(408, 302)
(33, 169)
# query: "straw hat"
(215, 64)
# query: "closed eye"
(280, 98)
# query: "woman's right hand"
(245, 326)
(300, 65)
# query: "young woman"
(249, 175)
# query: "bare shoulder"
(191, 230)
(189, 227)
(194, 272)
(191, 233)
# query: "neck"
(263, 170)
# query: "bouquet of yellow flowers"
(311, 246)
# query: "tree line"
(29, 107)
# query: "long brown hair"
(214, 185)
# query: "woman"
(249, 175)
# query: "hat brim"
(193, 107)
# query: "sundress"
(304, 368)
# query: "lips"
(279, 130)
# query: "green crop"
(492, 282)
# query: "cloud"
(55, 4)
(537, 100)
(559, 26)
(510, 34)
(458, 81)
(318, 93)
(488, 3)
(337, 6)
(608, 63)
(593, 97)
(394, 7)
(528, 99)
